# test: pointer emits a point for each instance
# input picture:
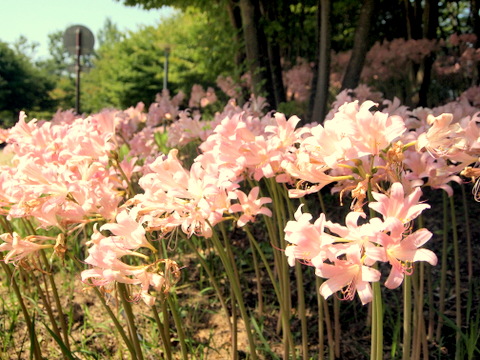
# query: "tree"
(131, 70)
(360, 46)
(430, 25)
(320, 93)
(23, 47)
(57, 66)
(256, 55)
(267, 32)
(109, 34)
(257, 26)
(22, 85)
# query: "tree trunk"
(322, 82)
(236, 22)
(360, 46)
(274, 57)
(430, 23)
(255, 50)
(413, 16)
(475, 8)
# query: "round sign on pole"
(78, 40)
(71, 36)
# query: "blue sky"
(35, 19)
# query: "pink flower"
(209, 98)
(375, 131)
(149, 280)
(19, 248)
(174, 196)
(397, 205)
(354, 238)
(228, 86)
(348, 276)
(437, 171)
(440, 137)
(250, 206)
(186, 129)
(152, 277)
(104, 256)
(402, 252)
(284, 129)
(132, 233)
(196, 95)
(308, 241)
(298, 80)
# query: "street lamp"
(165, 69)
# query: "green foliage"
(22, 85)
(157, 4)
(131, 70)
(454, 17)
(109, 34)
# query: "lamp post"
(78, 40)
(165, 69)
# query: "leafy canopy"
(23, 86)
(131, 69)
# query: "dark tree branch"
(360, 46)
(319, 109)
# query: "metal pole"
(78, 42)
(165, 68)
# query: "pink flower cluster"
(201, 98)
(107, 168)
(345, 255)
(60, 173)
(460, 59)
(298, 80)
(360, 147)
(105, 255)
(392, 58)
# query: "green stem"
(421, 319)
(416, 314)
(284, 309)
(407, 317)
(237, 291)
(234, 325)
(256, 245)
(301, 309)
(58, 304)
(456, 260)
(336, 326)
(212, 280)
(48, 308)
(331, 341)
(258, 276)
(117, 324)
(117, 165)
(468, 234)
(377, 323)
(163, 333)
(36, 347)
(179, 325)
(321, 335)
(7, 227)
(233, 300)
(443, 271)
(127, 307)
(279, 218)
(377, 305)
